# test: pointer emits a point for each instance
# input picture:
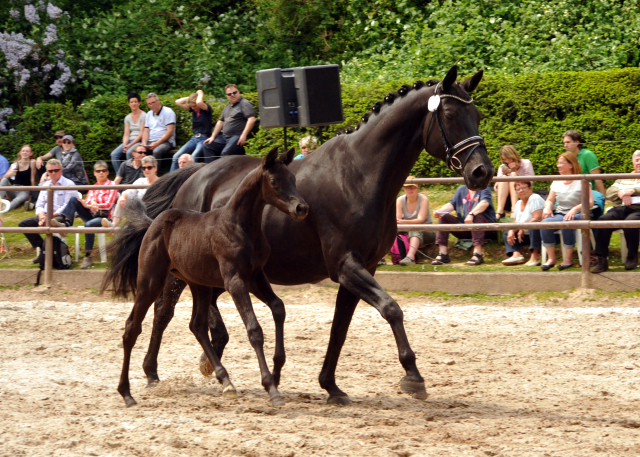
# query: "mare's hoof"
(205, 366)
(229, 392)
(342, 400)
(152, 383)
(416, 389)
(277, 401)
(130, 401)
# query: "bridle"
(470, 144)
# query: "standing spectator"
(471, 207)
(133, 128)
(130, 169)
(60, 200)
(21, 173)
(567, 195)
(55, 153)
(527, 209)
(4, 165)
(308, 144)
(184, 160)
(413, 208)
(512, 165)
(159, 135)
(201, 126)
(230, 133)
(572, 141)
(624, 209)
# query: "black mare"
(350, 183)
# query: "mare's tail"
(122, 275)
(160, 195)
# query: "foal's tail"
(122, 275)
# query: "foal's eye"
(274, 182)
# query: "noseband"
(470, 144)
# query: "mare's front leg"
(358, 283)
(163, 313)
(260, 287)
(240, 294)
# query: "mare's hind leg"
(199, 323)
(163, 313)
(238, 290)
(219, 334)
(261, 288)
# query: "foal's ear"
(287, 157)
(448, 80)
(471, 83)
(271, 157)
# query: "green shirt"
(588, 162)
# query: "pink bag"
(400, 248)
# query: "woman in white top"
(567, 195)
(527, 209)
(512, 165)
(133, 128)
(413, 208)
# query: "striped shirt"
(105, 198)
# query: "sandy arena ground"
(506, 378)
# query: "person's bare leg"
(414, 244)
(551, 255)
(503, 193)
(567, 258)
(535, 254)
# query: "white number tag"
(434, 102)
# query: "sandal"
(441, 259)
(476, 259)
(499, 216)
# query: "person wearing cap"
(72, 163)
(201, 122)
(159, 135)
(54, 153)
(413, 208)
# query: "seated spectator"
(72, 164)
(471, 207)
(308, 144)
(625, 196)
(567, 195)
(413, 208)
(133, 128)
(184, 160)
(527, 209)
(20, 173)
(98, 204)
(150, 170)
(159, 134)
(201, 124)
(4, 165)
(56, 153)
(130, 169)
(512, 165)
(60, 200)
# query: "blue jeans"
(117, 158)
(568, 235)
(193, 147)
(222, 146)
(90, 220)
(533, 239)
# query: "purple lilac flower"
(42, 5)
(15, 14)
(60, 54)
(53, 11)
(16, 48)
(205, 79)
(31, 14)
(51, 35)
(48, 67)
(98, 70)
(24, 77)
(4, 113)
(59, 84)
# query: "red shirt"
(105, 198)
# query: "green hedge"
(530, 112)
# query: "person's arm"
(125, 137)
(548, 205)
(166, 137)
(11, 171)
(118, 180)
(480, 208)
(445, 209)
(32, 165)
(145, 135)
(247, 129)
(399, 212)
(183, 103)
(200, 103)
(40, 160)
(422, 213)
(599, 183)
(216, 131)
(571, 214)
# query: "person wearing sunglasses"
(54, 153)
(201, 119)
(60, 200)
(72, 163)
(150, 171)
(159, 135)
(99, 203)
(230, 132)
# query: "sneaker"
(382, 261)
(532, 263)
(57, 223)
(407, 261)
(513, 260)
(87, 262)
(106, 223)
(28, 206)
(39, 256)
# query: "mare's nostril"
(479, 172)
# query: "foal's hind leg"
(219, 334)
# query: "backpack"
(399, 248)
(61, 257)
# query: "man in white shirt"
(159, 135)
(60, 200)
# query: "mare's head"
(450, 130)
(279, 185)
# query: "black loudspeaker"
(299, 97)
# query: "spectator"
(230, 133)
(134, 123)
(527, 209)
(159, 135)
(624, 194)
(184, 160)
(4, 165)
(150, 170)
(72, 164)
(471, 207)
(60, 200)
(567, 195)
(572, 141)
(21, 173)
(130, 169)
(55, 153)
(413, 208)
(512, 165)
(98, 204)
(308, 144)
(201, 126)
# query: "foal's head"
(279, 185)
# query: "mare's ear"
(270, 158)
(287, 157)
(471, 83)
(448, 80)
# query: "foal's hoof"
(152, 383)
(229, 392)
(205, 366)
(129, 401)
(277, 401)
(416, 389)
(342, 400)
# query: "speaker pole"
(285, 138)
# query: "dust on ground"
(509, 377)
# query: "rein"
(471, 143)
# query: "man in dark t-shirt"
(131, 169)
(231, 131)
(201, 120)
